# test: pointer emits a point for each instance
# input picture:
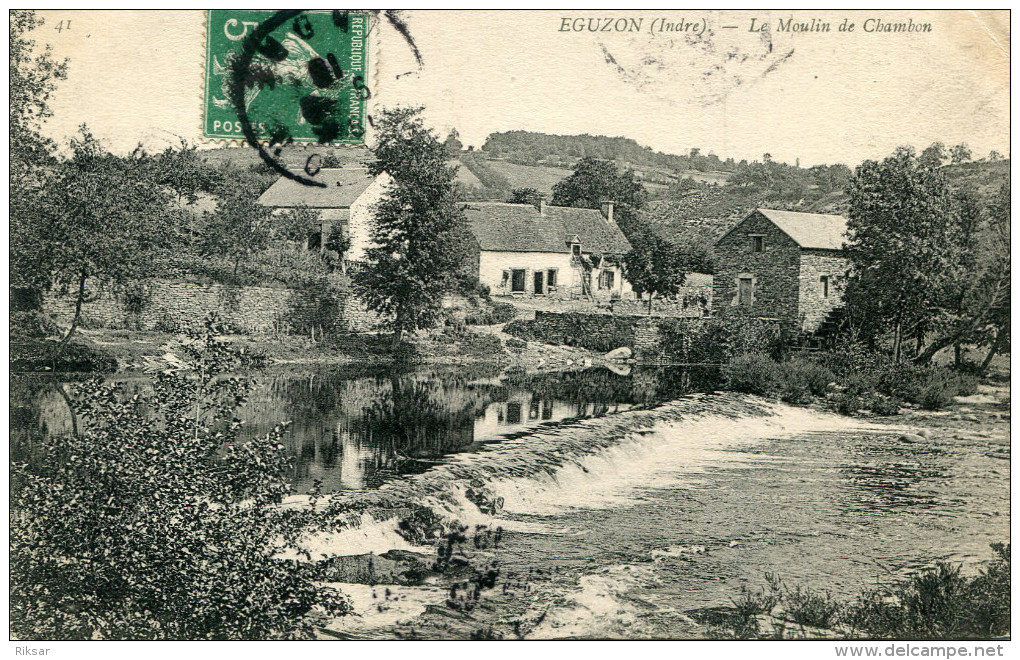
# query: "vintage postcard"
(511, 325)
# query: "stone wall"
(814, 304)
(160, 304)
(775, 272)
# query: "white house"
(346, 200)
(554, 251)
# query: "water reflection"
(356, 431)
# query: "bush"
(503, 312)
(754, 374)
(31, 325)
(930, 387)
(811, 609)
(46, 356)
(938, 603)
(156, 521)
(803, 378)
(522, 328)
(169, 323)
(499, 312)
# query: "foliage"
(656, 266)
(30, 355)
(533, 148)
(156, 521)
(33, 77)
(938, 603)
(100, 221)
(810, 608)
(906, 245)
(495, 183)
(183, 172)
(496, 313)
(295, 224)
(596, 180)
(237, 229)
(524, 196)
(31, 324)
(452, 144)
(419, 233)
(803, 378)
(753, 373)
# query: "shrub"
(803, 378)
(503, 312)
(169, 323)
(517, 344)
(809, 608)
(31, 325)
(931, 387)
(938, 603)
(753, 373)
(156, 521)
(73, 357)
(522, 328)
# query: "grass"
(938, 603)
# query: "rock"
(622, 353)
(911, 437)
(393, 567)
(924, 433)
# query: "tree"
(934, 155)
(182, 171)
(453, 145)
(595, 180)
(960, 154)
(994, 156)
(33, 78)
(524, 196)
(100, 222)
(654, 266)
(157, 519)
(904, 246)
(238, 228)
(419, 232)
(295, 224)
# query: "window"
(757, 243)
(550, 278)
(824, 281)
(745, 291)
(575, 249)
(517, 280)
(606, 279)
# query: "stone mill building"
(784, 265)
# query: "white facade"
(514, 273)
(359, 226)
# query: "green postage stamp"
(286, 76)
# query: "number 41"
(62, 25)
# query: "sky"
(820, 97)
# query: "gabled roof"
(343, 186)
(500, 227)
(810, 230)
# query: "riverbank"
(146, 351)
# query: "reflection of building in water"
(354, 458)
(523, 410)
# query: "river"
(625, 501)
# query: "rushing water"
(621, 517)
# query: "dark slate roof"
(343, 186)
(810, 230)
(502, 227)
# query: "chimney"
(541, 205)
(607, 210)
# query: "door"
(539, 282)
(517, 280)
(745, 291)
